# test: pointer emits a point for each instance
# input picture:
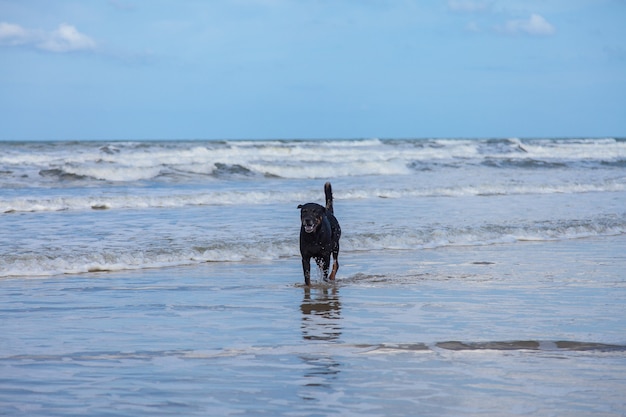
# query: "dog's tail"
(328, 190)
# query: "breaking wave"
(62, 259)
(44, 164)
(117, 200)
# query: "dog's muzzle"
(309, 226)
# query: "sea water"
(73, 207)
(477, 277)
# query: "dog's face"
(311, 215)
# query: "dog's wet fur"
(319, 237)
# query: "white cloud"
(11, 34)
(65, 38)
(535, 25)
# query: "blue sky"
(210, 69)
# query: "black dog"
(319, 236)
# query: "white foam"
(92, 257)
(576, 149)
(234, 197)
(128, 162)
(77, 261)
(481, 235)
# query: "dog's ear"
(299, 206)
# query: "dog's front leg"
(306, 267)
(324, 264)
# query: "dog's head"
(311, 215)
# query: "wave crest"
(21, 164)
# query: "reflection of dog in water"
(321, 316)
(319, 236)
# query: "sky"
(303, 69)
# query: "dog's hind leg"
(335, 266)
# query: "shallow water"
(536, 329)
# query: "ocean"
(477, 277)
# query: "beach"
(475, 279)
